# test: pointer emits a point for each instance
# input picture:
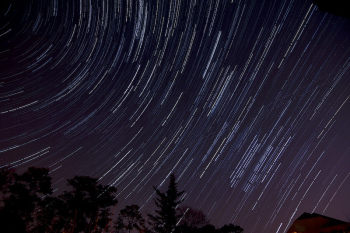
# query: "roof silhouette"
(314, 223)
(336, 7)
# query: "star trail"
(246, 102)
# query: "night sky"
(246, 102)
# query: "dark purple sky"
(246, 102)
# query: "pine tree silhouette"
(166, 217)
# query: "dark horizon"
(246, 102)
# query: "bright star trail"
(246, 102)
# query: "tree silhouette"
(230, 228)
(26, 206)
(119, 224)
(166, 217)
(130, 218)
(6, 179)
(22, 195)
(207, 229)
(86, 206)
(192, 218)
(47, 216)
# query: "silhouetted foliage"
(119, 225)
(6, 179)
(21, 195)
(49, 217)
(11, 222)
(26, 206)
(207, 229)
(230, 228)
(86, 206)
(192, 218)
(211, 229)
(166, 217)
(130, 218)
